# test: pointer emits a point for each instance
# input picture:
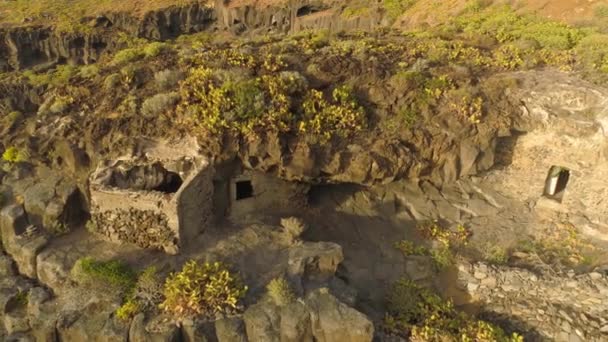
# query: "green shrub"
(127, 56)
(145, 296)
(280, 291)
(421, 315)
(206, 290)
(89, 71)
(112, 273)
(341, 117)
(159, 104)
(60, 104)
(37, 80)
(241, 106)
(14, 155)
(57, 228)
(409, 248)
(22, 298)
(111, 81)
(128, 310)
(395, 8)
(63, 74)
(505, 25)
(168, 79)
(154, 49)
(148, 291)
(443, 257)
(601, 11)
(495, 254)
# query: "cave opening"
(306, 10)
(171, 183)
(556, 183)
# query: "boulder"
(13, 222)
(36, 297)
(230, 330)
(24, 251)
(198, 331)
(295, 323)
(95, 322)
(314, 261)
(333, 320)
(262, 323)
(71, 157)
(53, 268)
(15, 322)
(43, 320)
(54, 200)
(20, 337)
(159, 329)
(7, 266)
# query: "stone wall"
(560, 307)
(153, 219)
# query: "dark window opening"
(555, 185)
(306, 10)
(244, 190)
(171, 183)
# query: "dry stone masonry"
(140, 202)
(566, 307)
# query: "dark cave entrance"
(170, 184)
(306, 10)
(556, 183)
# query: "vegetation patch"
(417, 313)
(560, 246)
(202, 290)
(15, 155)
(443, 251)
(114, 273)
(280, 291)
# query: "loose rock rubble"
(143, 228)
(561, 307)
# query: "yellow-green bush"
(395, 8)
(128, 56)
(14, 155)
(129, 309)
(240, 105)
(89, 71)
(409, 248)
(280, 291)
(417, 313)
(206, 290)
(145, 296)
(505, 25)
(154, 49)
(342, 116)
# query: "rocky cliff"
(30, 46)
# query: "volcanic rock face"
(27, 47)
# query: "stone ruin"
(239, 193)
(152, 203)
(167, 196)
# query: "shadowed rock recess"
(303, 170)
